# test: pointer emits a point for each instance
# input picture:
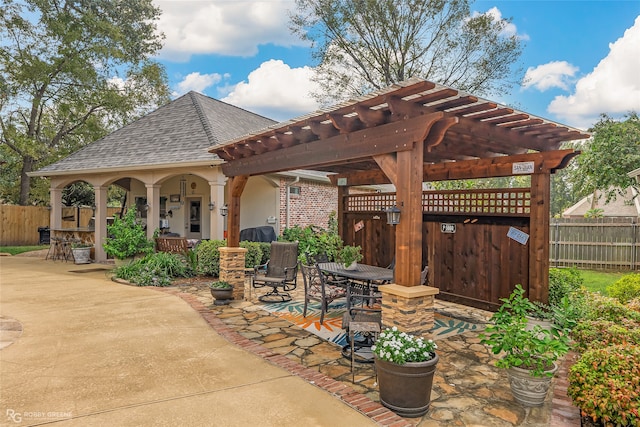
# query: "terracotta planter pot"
(406, 389)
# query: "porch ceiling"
(347, 138)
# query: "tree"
(71, 70)
(363, 45)
(607, 157)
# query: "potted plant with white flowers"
(405, 365)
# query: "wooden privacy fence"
(19, 224)
(599, 243)
(470, 256)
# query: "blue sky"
(582, 58)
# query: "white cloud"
(546, 76)
(510, 28)
(233, 28)
(613, 87)
(197, 82)
(275, 90)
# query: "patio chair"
(279, 272)
(365, 313)
(314, 259)
(316, 288)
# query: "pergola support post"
(236, 187)
(539, 238)
(409, 230)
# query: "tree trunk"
(25, 180)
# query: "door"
(193, 225)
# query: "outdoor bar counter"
(83, 234)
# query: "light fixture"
(183, 187)
(224, 210)
(393, 215)
(212, 206)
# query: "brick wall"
(312, 207)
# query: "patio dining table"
(365, 274)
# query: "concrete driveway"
(97, 353)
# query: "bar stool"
(372, 328)
(53, 248)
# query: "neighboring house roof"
(627, 206)
(179, 132)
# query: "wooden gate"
(471, 258)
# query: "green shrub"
(626, 288)
(208, 263)
(313, 240)
(592, 334)
(599, 307)
(605, 384)
(562, 282)
(157, 269)
(126, 238)
(265, 247)
(253, 256)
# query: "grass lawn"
(597, 281)
(14, 250)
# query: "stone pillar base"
(409, 308)
(232, 269)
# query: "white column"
(153, 213)
(100, 232)
(55, 219)
(216, 221)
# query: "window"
(294, 191)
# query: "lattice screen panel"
(500, 202)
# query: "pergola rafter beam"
(362, 144)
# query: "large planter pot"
(533, 322)
(81, 255)
(406, 389)
(221, 296)
(529, 390)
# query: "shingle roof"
(624, 206)
(178, 132)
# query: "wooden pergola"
(407, 134)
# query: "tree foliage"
(363, 45)
(71, 70)
(612, 152)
